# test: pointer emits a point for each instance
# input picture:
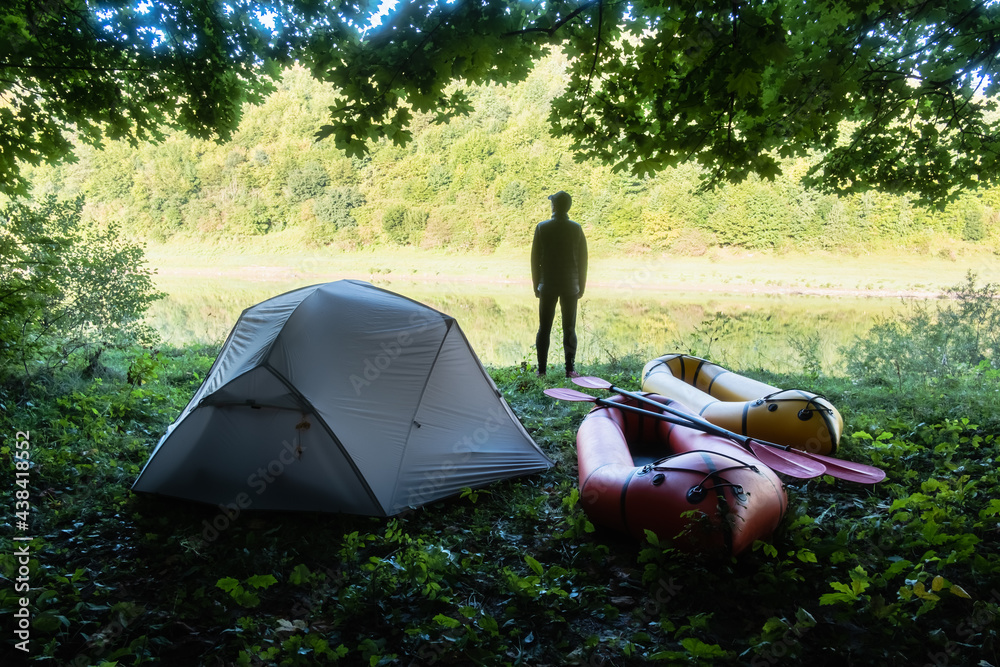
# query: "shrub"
(438, 177)
(307, 182)
(393, 224)
(692, 242)
(404, 225)
(66, 286)
(514, 194)
(250, 218)
(415, 222)
(334, 207)
(974, 229)
(235, 158)
(957, 335)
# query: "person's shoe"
(572, 374)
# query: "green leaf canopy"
(891, 94)
(895, 95)
(78, 70)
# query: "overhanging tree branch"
(830, 66)
(551, 30)
(79, 68)
(597, 50)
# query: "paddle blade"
(794, 463)
(789, 464)
(591, 382)
(566, 394)
(848, 470)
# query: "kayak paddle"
(839, 468)
(779, 461)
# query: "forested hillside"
(476, 184)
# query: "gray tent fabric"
(341, 397)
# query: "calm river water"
(774, 332)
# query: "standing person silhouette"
(558, 273)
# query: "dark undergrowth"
(905, 572)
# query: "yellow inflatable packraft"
(792, 417)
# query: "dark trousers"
(546, 315)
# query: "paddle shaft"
(716, 429)
(706, 427)
(846, 470)
(779, 463)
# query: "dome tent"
(341, 397)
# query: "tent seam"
(270, 346)
(333, 436)
(514, 418)
(448, 322)
(266, 351)
(444, 316)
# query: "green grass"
(903, 573)
(718, 271)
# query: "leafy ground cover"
(903, 573)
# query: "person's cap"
(561, 200)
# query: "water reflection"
(777, 332)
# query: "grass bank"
(719, 271)
(903, 573)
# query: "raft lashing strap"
(665, 361)
(698, 492)
(809, 397)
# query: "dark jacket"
(559, 258)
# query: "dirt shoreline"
(264, 274)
